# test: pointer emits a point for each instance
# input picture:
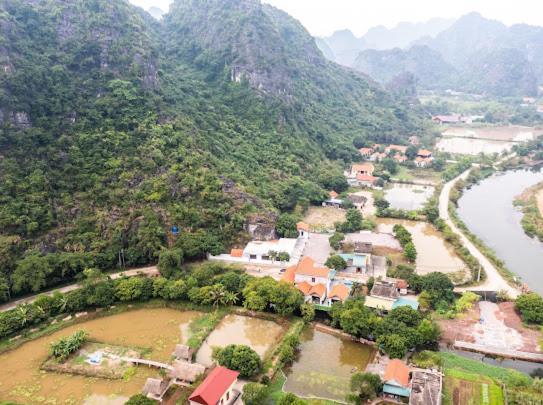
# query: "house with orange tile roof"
(365, 180)
(424, 153)
(362, 168)
(400, 158)
(366, 152)
(316, 283)
(396, 381)
(423, 162)
(338, 293)
(377, 157)
(397, 148)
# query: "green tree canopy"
(239, 358)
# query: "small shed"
(184, 373)
(155, 388)
(183, 352)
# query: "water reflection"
(433, 253)
(487, 210)
(408, 196)
(257, 333)
(325, 365)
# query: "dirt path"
(152, 270)
(494, 280)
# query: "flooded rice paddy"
(487, 140)
(259, 334)
(408, 196)
(487, 210)
(158, 329)
(434, 254)
(325, 365)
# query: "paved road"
(494, 280)
(152, 270)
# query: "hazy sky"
(322, 17)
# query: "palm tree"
(218, 295)
(61, 304)
(231, 298)
(24, 314)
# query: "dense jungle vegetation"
(116, 127)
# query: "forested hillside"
(115, 127)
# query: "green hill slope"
(115, 127)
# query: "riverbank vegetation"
(531, 204)
(406, 241)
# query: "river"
(487, 210)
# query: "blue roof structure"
(400, 302)
(396, 390)
(358, 259)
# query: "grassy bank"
(532, 220)
(201, 327)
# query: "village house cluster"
(377, 153)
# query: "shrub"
(254, 394)
(530, 307)
(140, 399)
(169, 262)
(336, 239)
(291, 399)
(336, 262)
(364, 387)
(308, 312)
(466, 301)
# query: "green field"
(463, 388)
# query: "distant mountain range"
(471, 54)
(156, 12)
(345, 46)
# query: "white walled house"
(317, 284)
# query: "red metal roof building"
(217, 387)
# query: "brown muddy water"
(159, 329)
(434, 254)
(259, 334)
(325, 365)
